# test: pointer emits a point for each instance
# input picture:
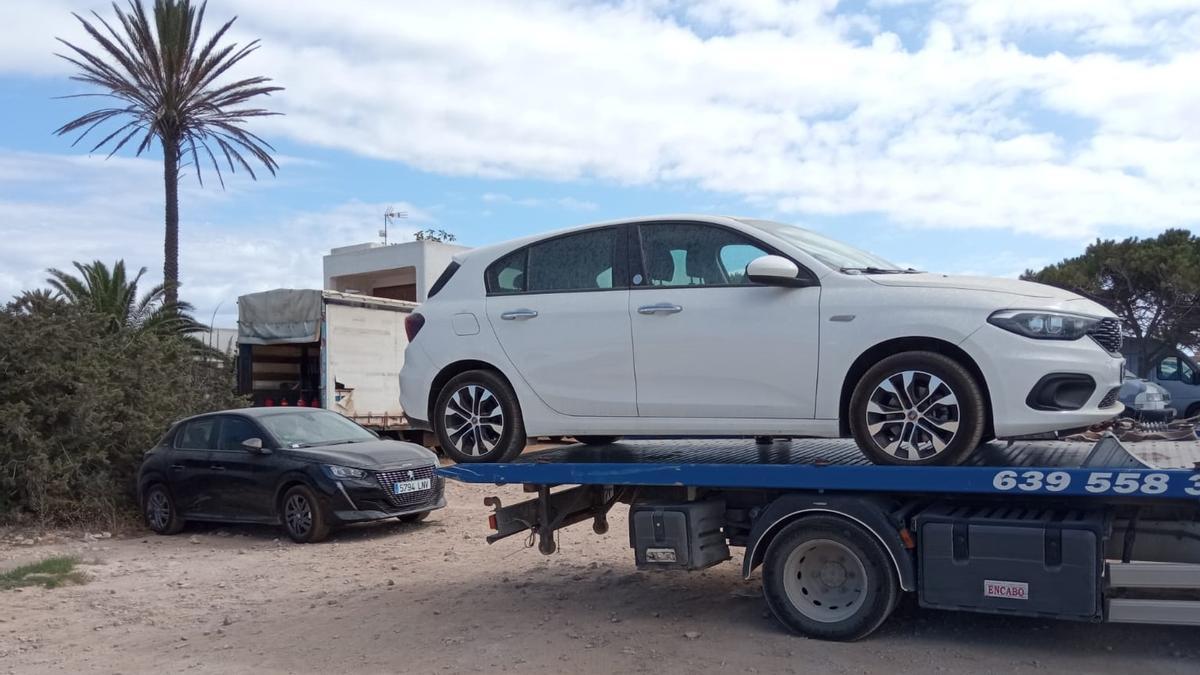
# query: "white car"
(717, 326)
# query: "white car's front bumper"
(1013, 365)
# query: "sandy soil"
(435, 597)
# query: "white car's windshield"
(835, 254)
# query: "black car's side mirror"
(255, 445)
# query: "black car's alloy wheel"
(159, 510)
(303, 519)
(477, 419)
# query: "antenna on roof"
(389, 215)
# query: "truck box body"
(324, 349)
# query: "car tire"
(597, 440)
(1192, 411)
(917, 408)
(413, 517)
(303, 519)
(158, 507)
(477, 419)
(828, 578)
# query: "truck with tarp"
(325, 349)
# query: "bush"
(81, 402)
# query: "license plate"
(412, 486)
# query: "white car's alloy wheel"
(474, 420)
(912, 415)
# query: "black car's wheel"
(917, 408)
(303, 519)
(413, 517)
(477, 419)
(597, 440)
(828, 578)
(159, 509)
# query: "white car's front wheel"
(917, 408)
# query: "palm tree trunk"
(171, 238)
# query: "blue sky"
(964, 136)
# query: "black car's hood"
(381, 454)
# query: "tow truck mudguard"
(871, 513)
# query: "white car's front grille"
(1107, 333)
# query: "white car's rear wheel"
(917, 408)
(477, 419)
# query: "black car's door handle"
(216, 467)
(178, 467)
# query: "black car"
(305, 468)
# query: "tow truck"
(1071, 530)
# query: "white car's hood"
(988, 284)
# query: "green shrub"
(81, 402)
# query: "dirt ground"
(436, 598)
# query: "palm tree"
(164, 78)
(113, 295)
(37, 301)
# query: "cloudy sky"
(969, 136)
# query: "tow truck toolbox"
(1079, 531)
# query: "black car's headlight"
(1044, 325)
(344, 471)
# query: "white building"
(397, 271)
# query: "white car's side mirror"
(774, 270)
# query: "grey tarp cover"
(282, 316)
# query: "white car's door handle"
(519, 314)
(660, 308)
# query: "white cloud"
(789, 104)
(1114, 23)
(784, 103)
(568, 203)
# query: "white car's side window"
(507, 275)
(696, 255)
(578, 262)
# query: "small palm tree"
(36, 301)
(114, 295)
(165, 79)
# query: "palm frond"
(166, 73)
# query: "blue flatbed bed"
(1155, 469)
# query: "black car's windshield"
(298, 429)
(833, 253)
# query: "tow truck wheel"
(917, 408)
(828, 578)
(477, 419)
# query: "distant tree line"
(1152, 284)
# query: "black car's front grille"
(1110, 399)
(1107, 333)
(388, 479)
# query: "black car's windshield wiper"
(870, 270)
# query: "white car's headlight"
(344, 471)
(1043, 325)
